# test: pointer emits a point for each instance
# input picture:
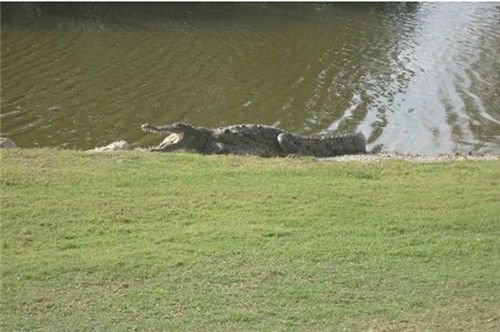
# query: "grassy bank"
(182, 241)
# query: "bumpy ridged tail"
(350, 144)
(322, 146)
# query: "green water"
(416, 78)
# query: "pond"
(412, 77)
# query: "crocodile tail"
(361, 142)
(353, 143)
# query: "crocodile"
(253, 139)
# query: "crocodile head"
(175, 128)
(180, 136)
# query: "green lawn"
(141, 241)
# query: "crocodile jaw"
(149, 128)
(171, 139)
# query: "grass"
(127, 241)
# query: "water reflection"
(430, 86)
(419, 77)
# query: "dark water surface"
(417, 78)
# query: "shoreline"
(369, 157)
(359, 158)
(415, 158)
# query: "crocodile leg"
(287, 144)
(219, 148)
